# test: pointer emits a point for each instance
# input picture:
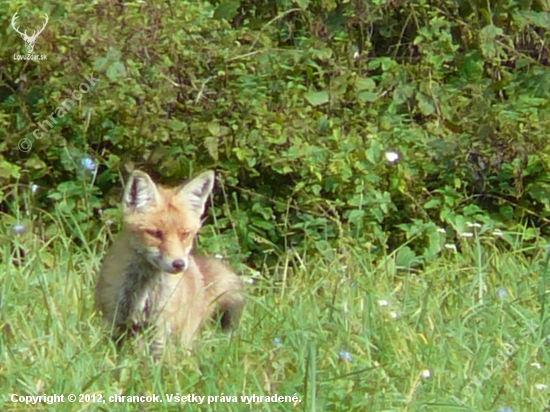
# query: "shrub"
(296, 105)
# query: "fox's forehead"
(175, 218)
(171, 214)
(174, 213)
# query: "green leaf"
(364, 84)
(211, 144)
(112, 161)
(8, 170)
(405, 257)
(116, 70)
(176, 125)
(317, 98)
(35, 163)
(367, 96)
(540, 19)
(214, 128)
(430, 204)
(356, 215)
(402, 93)
(100, 64)
(424, 104)
(487, 39)
(226, 10)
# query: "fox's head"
(164, 222)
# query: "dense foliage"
(298, 105)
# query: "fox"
(150, 279)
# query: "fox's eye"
(155, 233)
(184, 235)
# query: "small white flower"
(470, 224)
(382, 303)
(356, 55)
(497, 233)
(450, 246)
(18, 229)
(34, 188)
(218, 256)
(252, 279)
(426, 374)
(541, 386)
(393, 315)
(88, 164)
(391, 156)
(536, 365)
(441, 230)
(109, 222)
(467, 234)
(344, 356)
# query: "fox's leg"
(157, 347)
(161, 337)
(228, 303)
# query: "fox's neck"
(140, 288)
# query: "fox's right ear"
(140, 193)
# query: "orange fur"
(149, 277)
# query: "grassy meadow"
(339, 331)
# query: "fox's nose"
(179, 264)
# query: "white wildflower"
(391, 156)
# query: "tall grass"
(340, 332)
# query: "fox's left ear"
(140, 193)
(197, 190)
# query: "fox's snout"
(170, 258)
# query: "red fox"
(149, 277)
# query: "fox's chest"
(164, 296)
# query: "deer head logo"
(30, 40)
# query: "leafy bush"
(296, 105)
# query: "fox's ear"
(197, 190)
(140, 193)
